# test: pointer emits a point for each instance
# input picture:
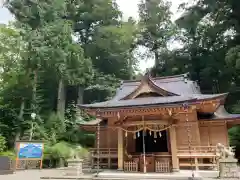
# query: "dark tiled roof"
(221, 113)
(185, 90)
(150, 101)
(175, 84)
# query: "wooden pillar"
(226, 134)
(196, 163)
(198, 134)
(209, 133)
(120, 149)
(195, 128)
(108, 144)
(173, 139)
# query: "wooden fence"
(162, 166)
(130, 166)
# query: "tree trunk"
(34, 101)
(61, 98)
(34, 91)
(31, 132)
(79, 100)
(156, 59)
(80, 95)
(20, 117)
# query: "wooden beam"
(120, 149)
(173, 138)
(147, 122)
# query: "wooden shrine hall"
(160, 124)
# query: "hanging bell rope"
(145, 128)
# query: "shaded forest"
(58, 53)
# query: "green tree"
(105, 39)
(14, 84)
(157, 28)
(51, 45)
(213, 47)
(111, 50)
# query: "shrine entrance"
(154, 142)
(152, 149)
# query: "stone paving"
(29, 175)
(37, 174)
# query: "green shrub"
(2, 143)
(82, 152)
(61, 150)
(10, 154)
(57, 153)
(234, 135)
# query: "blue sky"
(5, 16)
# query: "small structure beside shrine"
(228, 164)
(160, 124)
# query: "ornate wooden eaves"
(229, 121)
(208, 106)
(211, 105)
(148, 86)
(139, 111)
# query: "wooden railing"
(130, 166)
(197, 150)
(162, 166)
(107, 157)
(197, 157)
(104, 152)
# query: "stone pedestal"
(228, 168)
(74, 167)
(5, 166)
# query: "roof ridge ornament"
(147, 75)
(148, 72)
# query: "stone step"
(84, 162)
(86, 165)
(164, 178)
(141, 176)
(87, 170)
(147, 178)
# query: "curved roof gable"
(147, 85)
(175, 85)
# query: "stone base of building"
(117, 175)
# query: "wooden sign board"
(29, 150)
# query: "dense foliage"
(56, 51)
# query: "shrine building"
(160, 124)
